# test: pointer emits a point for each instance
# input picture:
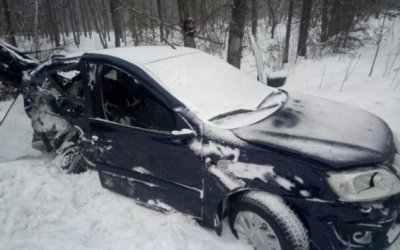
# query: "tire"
(266, 222)
(71, 160)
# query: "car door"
(138, 155)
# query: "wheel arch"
(224, 204)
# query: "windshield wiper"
(275, 92)
(229, 113)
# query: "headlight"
(364, 185)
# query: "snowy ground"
(43, 208)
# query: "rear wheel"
(266, 222)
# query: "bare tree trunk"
(88, 19)
(134, 32)
(73, 21)
(183, 9)
(115, 15)
(378, 44)
(288, 31)
(335, 21)
(152, 24)
(254, 18)
(160, 16)
(8, 25)
(82, 10)
(64, 19)
(304, 24)
(273, 18)
(236, 31)
(97, 25)
(53, 25)
(36, 45)
(324, 21)
(203, 14)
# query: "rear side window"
(127, 101)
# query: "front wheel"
(267, 223)
(71, 159)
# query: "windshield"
(209, 86)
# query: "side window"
(127, 101)
(73, 82)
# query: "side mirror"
(72, 106)
(276, 79)
(182, 135)
(276, 82)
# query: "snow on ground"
(15, 133)
(43, 208)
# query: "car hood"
(336, 134)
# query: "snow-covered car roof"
(145, 54)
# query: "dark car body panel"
(160, 162)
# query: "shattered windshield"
(212, 88)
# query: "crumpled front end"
(353, 225)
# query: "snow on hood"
(334, 133)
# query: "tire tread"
(293, 228)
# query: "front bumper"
(338, 225)
(367, 236)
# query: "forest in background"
(48, 26)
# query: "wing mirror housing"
(276, 79)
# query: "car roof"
(144, 54)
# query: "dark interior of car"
(127, 101)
